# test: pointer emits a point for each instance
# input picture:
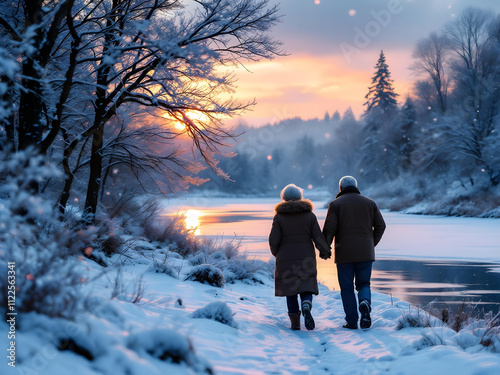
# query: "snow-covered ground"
(162, 332)
(159, 335)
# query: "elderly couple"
(356, 224)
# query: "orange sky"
(308, 86)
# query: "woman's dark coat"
(294, 229)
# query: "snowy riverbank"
(159, 335)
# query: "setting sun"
(199, 118)
(192, 220)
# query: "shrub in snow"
(163, 266)
(198, 259)
(246, 269)
(218, 311)
(463, 316)
(490, 338)
(172, 230)
(416, 318)
(72, 346)
(462, 328)
(101, 240)
(433, 337)
(34, 242)
(167, 345)
(206, 273)
(147, 218)
(218, 257)
(235, 265)
(465, 339)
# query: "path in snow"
(264, 343)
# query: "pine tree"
(381, 93)
(407, 121)
(327, 117)
(380, 153)
(348, 115)
(336, 116)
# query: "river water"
(421, 259)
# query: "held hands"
(326, 255)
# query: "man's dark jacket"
(356, 224)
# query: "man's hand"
(326, 256)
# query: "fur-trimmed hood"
(294, 207)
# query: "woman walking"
(295, 228)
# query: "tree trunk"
(95, 174)
(30, 107)
(64, 197)
(31, 104)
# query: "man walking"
(357, 226)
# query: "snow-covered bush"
(34, 243)
(218, 311)
(106, 237)
(416, 318)
(234, 264)
(206, 273)
(164, 266)
(462, 327)
(172, 231)
(242, 268)
(197, 259)
(490, 335)
(145, 218)
(433, 337)
(167, 345)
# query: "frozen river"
(420, 259)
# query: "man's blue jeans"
(354, 274)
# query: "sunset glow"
(192, 220)
(307, 86)
(316, 76)
(198, 117)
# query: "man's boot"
(295, 321)
(365, 309)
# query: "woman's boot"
(295, 321)
(308, 319)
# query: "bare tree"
(431, 56)
(90, 59)
(475, 64)
(172, 63)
